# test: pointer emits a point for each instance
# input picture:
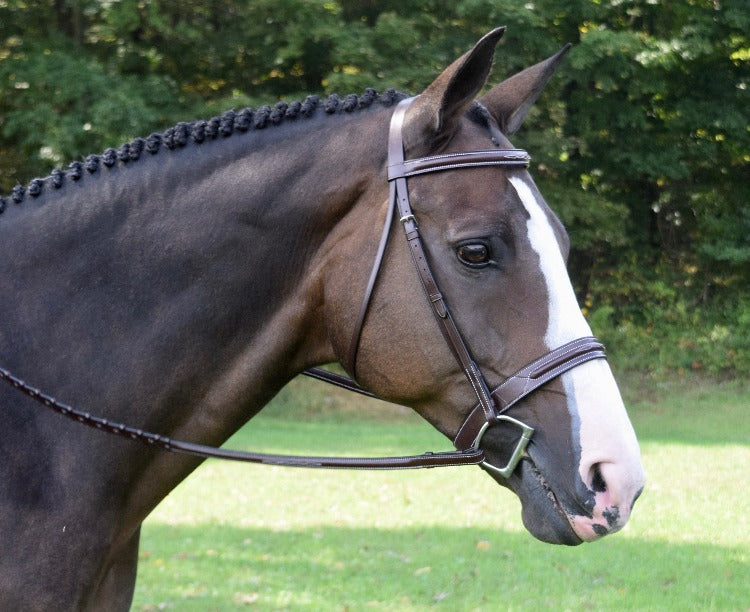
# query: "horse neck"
(184, 291)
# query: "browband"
(452, 161)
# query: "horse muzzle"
(582, 512)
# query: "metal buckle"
(518, 452)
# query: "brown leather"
(398, 171)
(400, 196)
(351, 357)
(438, 163)
(338, 380)
(529, 379)
(426, 460)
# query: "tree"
(641, 141)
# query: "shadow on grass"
(219, 567)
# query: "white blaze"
(607, 438)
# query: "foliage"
(641, 141)
(651, 321)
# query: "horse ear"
(510, 100)
(433, 116)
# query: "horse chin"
(542, 514)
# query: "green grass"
(235, 536)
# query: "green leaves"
(641, 140)
(58, 105)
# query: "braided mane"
(197, 132)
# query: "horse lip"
(543, 514)
(553, 498)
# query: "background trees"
(641, 143)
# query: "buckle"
(407, 218)
(518, 453)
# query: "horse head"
(498, 254)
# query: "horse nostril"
(598, 484)
(607, 489)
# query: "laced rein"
(491, 405)
(211, 452)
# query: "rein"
(491, 405)
(211, 452)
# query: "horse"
(177, 283)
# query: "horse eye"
(474, 254)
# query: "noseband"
(491, 407)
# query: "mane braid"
(197, 132)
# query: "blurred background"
(640, 143)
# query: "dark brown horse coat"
(179, 282)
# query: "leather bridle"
(491, 407)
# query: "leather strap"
(351, 357)
(338, 380)
(529, 379)
(452, 161)
(398, 171)
(400, 196)
(426, 460)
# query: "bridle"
(492, 405)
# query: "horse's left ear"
(432, 118)
(511, 100)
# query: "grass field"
(234, 537)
